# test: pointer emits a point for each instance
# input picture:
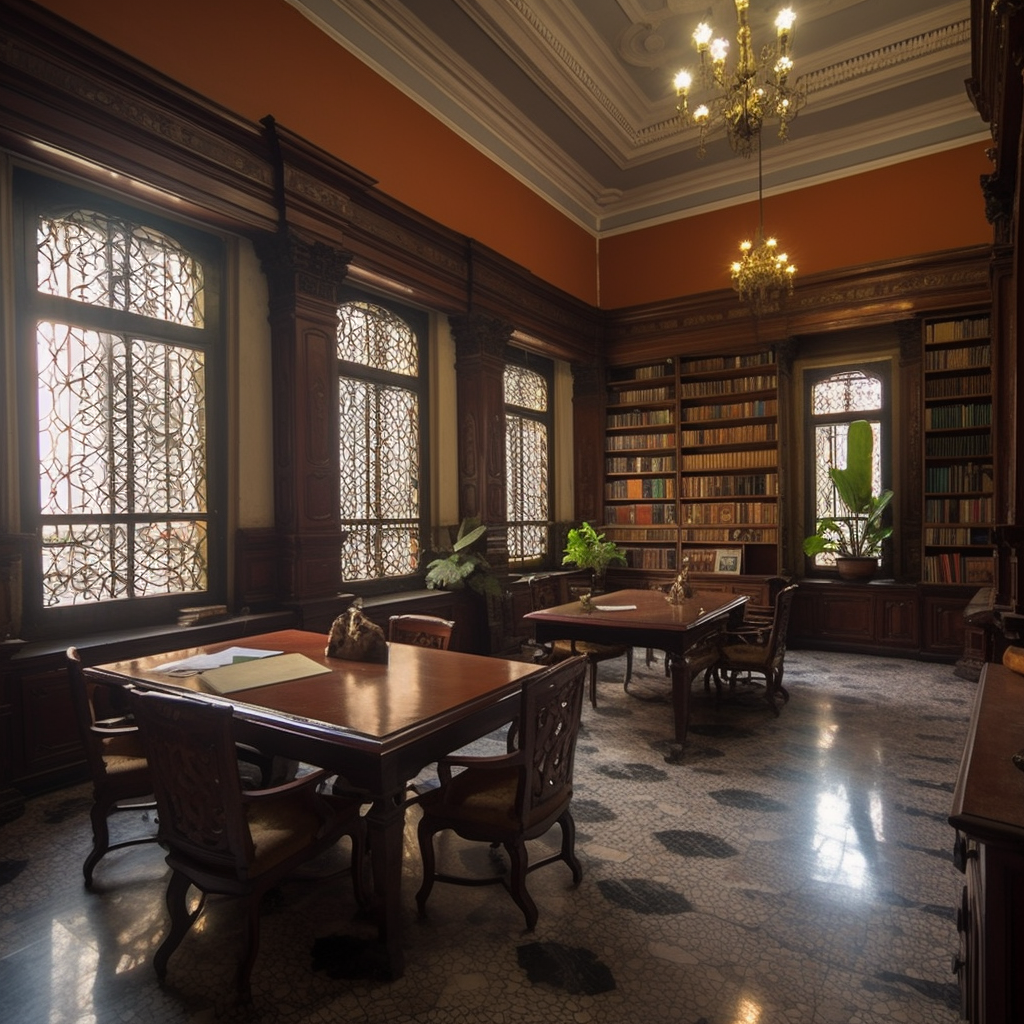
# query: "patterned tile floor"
(793, 870)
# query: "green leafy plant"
(463, 567)
(860, 533)
(587, 549)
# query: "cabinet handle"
(957, 963)
(962, 853)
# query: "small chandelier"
(755, 91)
(762, 275)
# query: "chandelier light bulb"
(719, 50)
(702, 36)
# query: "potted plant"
(856, 539)
(463, 567)
(587, 549)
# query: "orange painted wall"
(921, 206)
(259, 57)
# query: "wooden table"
(378, 725)
(653, 622)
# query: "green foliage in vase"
(587, 549)
(464, 568)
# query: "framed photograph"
(728, 560)
(980, 571)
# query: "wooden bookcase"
(729, 461)
(641, 461)
(959, 456)
(691, 464)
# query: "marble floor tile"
(790, 870)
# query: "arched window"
(119, 316)
(528, 458)
(837, 397)
(381, 404)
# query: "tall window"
(119, 323)
(382, 415)
(836, 398)
(527, 454)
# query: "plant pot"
(856, 569)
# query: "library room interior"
(446, 440)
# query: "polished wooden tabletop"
(414, 693)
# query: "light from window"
(122, 419)
(840, 399)
(379, 443)
(526, 453)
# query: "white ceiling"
(575, 97)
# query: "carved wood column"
(480, 342)
(305, 279)
(909, 488)
(789, 552)
(588, 412)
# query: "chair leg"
(517, 883)
(568, 853)
(426, 840)
(593, 682)
(181, 920)
(100, 839)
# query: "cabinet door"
(51, 737)
(897, 620)
(944, 623)
(847, 616)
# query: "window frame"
(545, 368)
(35, 194)
(882, 369)
(418, 321)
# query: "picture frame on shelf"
(980, 570)
(729, 560)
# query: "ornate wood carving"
(588, 414)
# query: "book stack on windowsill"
(202, 613)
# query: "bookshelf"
(729, 455)
(958, 519)
(641, 465)
(691, 464)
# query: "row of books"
(732, 410)
(961, 536)
(966, 386)
(643, 372)
(957, 330)
(724, 513)
(624, 535)
(711, 363)
(729, 534)
(727, 386)
(629, 397)
(729, 460)
(949, 446)
(747, 434)
(752, 484)
(640, 464)
(641, 418)
(958, 510)
(956, 568)
(958, 358)
(650, 558)
(640, 514)
(641, 487)
(632, 442)
(949, 417)
(971, 477)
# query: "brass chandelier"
(762, 275)
(756, 90)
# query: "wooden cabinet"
(988, 815)
(958, 451)
(880, 617)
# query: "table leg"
(385, 824)
(681, 680)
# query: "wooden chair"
(221, 838)
(759, 615)
(518, 796)
(117, 762)
(757, 651)
(546, 592)
(420, 630)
